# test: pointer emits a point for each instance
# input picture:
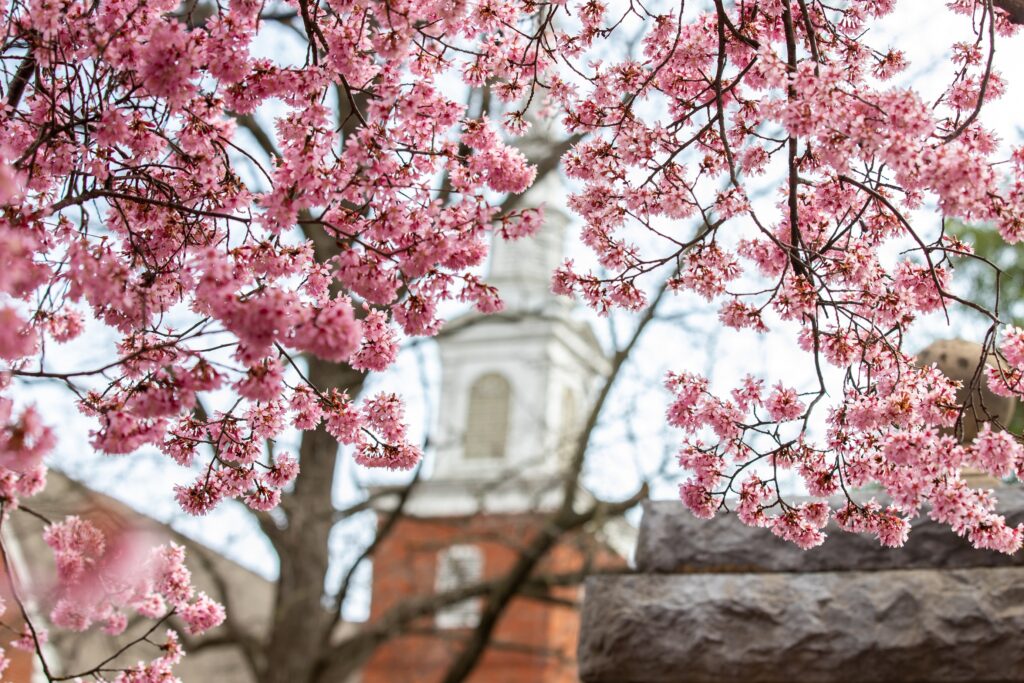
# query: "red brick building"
(535, 640)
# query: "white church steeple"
(521, 269)
(515, 386)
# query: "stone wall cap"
(672, 540)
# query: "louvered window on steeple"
(490, 399)
(459, 566)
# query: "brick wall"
(534, 641)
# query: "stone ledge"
(674, 541)
(829, 627)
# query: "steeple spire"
(521, 269)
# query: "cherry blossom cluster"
(231, 219)
(24, 440)
(796, 93)
(124, 203)
(898, 440)
(101, 579)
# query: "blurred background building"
(516, 388)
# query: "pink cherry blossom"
(783, 404)
(202, 615)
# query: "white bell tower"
(516, 386)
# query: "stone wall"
(719, 601)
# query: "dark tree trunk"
(300, 618)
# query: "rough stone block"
(831, 627)
(674, 541)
